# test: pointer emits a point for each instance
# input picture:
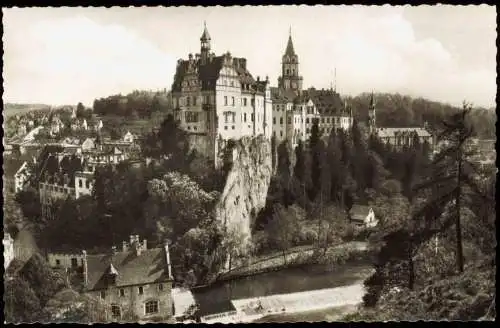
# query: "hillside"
(396, 110)
(13, 109)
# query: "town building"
(131, 278)
(216, 98)
(295, 110)
(8, 250)
(363, 216)
(397, 137)
(22, 176)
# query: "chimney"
(132, 239)
(113, 250)
(85, 269)
(167, 257)
(124, 246)
(137, 246)
(144, 244)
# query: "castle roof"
(209, 72)
(148, 267)
(290, 51)
(205, 36)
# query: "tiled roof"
(149, 267)
(280, 95)
(392, 132)
(289, 47)
(327, 102)
(209, 73)
(359, 212)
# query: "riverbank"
(337, 254)
(286, 306)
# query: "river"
(215, 298)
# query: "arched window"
(287, 71)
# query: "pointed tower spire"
(205, 36)
(289, 47)
(372, 101)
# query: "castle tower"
(205, 45)
(371, 115)
(290, 78)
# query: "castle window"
(244, 116)
(232, 101)
(116, 311)
(307, 120)
(274, 120)
(253, 116)
(244, 101)
(307, 130)
(103, 294)
(195, 128)
(87, 184)
(232, 83)
(281, 133)
(281, 120)
(194, 100)
(225, 127)
(122, 292)
(151, 307)
(287, 71)
(225, 100)
(188, 101)
(322, 120)
(289, 120)
(141, 290)
(160, 287)
(253, 102)
(74, 262)
(233, 127)
(58, 262)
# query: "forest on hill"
(395, 110)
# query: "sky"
(65, 55)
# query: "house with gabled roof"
(131, 278)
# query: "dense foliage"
(138, 104)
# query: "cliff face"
(247, 183)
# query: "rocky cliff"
(247, 183)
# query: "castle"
(216, 98)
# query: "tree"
(29, 201)
(453, 173)
(316, 147)
(80, 110)
(21, 304)
(334, 161)
(273, 151)
(40, 276)
(281, 229)
(283, 172)
(300, 171)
